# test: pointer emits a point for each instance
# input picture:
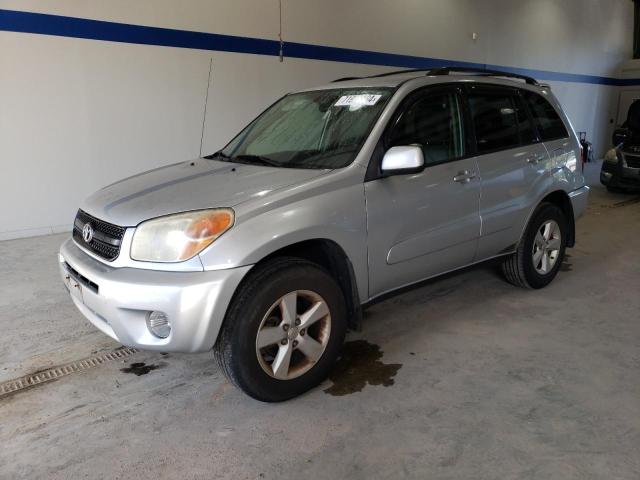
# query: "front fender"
(336, 214)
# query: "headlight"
(176, 238)
(611, 156)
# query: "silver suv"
(268, 250)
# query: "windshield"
(321, 129)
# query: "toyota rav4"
(267, 250)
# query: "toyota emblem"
(87, 233)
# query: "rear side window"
(525, 127)
(548, 122)
(495, 118)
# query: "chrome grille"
(107, 238)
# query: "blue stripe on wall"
(46, 24)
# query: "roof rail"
(385, 74)
(399, 72)
(482, 71)
(344, 79)
(448, 71)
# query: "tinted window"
(548, 123)
(495, 118)
(434, 123)
(525, 127)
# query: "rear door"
(550, 127)
(425, 223)
(510, 160)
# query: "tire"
(519, 268)
(616, 189)
(270, 290)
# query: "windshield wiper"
(219, 155)
(257, 159)
(309, 158)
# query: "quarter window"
(434, 122)
(548, 122)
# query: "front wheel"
(541, 250)
(283, 331)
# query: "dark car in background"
(621, 166)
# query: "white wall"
(78, 114)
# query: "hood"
(185, 186)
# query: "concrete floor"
(477, 379)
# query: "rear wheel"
(541, 250)
(283, 331)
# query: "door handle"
(464, 176)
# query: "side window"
(525, 127)
(548, 123)
(434, 122)
(495, 118)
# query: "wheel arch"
(560, 199)
(332, 257)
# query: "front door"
(426, 223)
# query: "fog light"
(158, 324)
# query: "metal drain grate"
(43, 376)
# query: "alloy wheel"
(293, 334)
(546, 247)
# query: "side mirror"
(402, 160)
(619, 136)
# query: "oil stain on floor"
(141, 368)
(360, 364)
(623, 203)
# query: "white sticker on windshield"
(360, 100)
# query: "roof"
(437, 75)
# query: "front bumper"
(118, 300)
(619, 175)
